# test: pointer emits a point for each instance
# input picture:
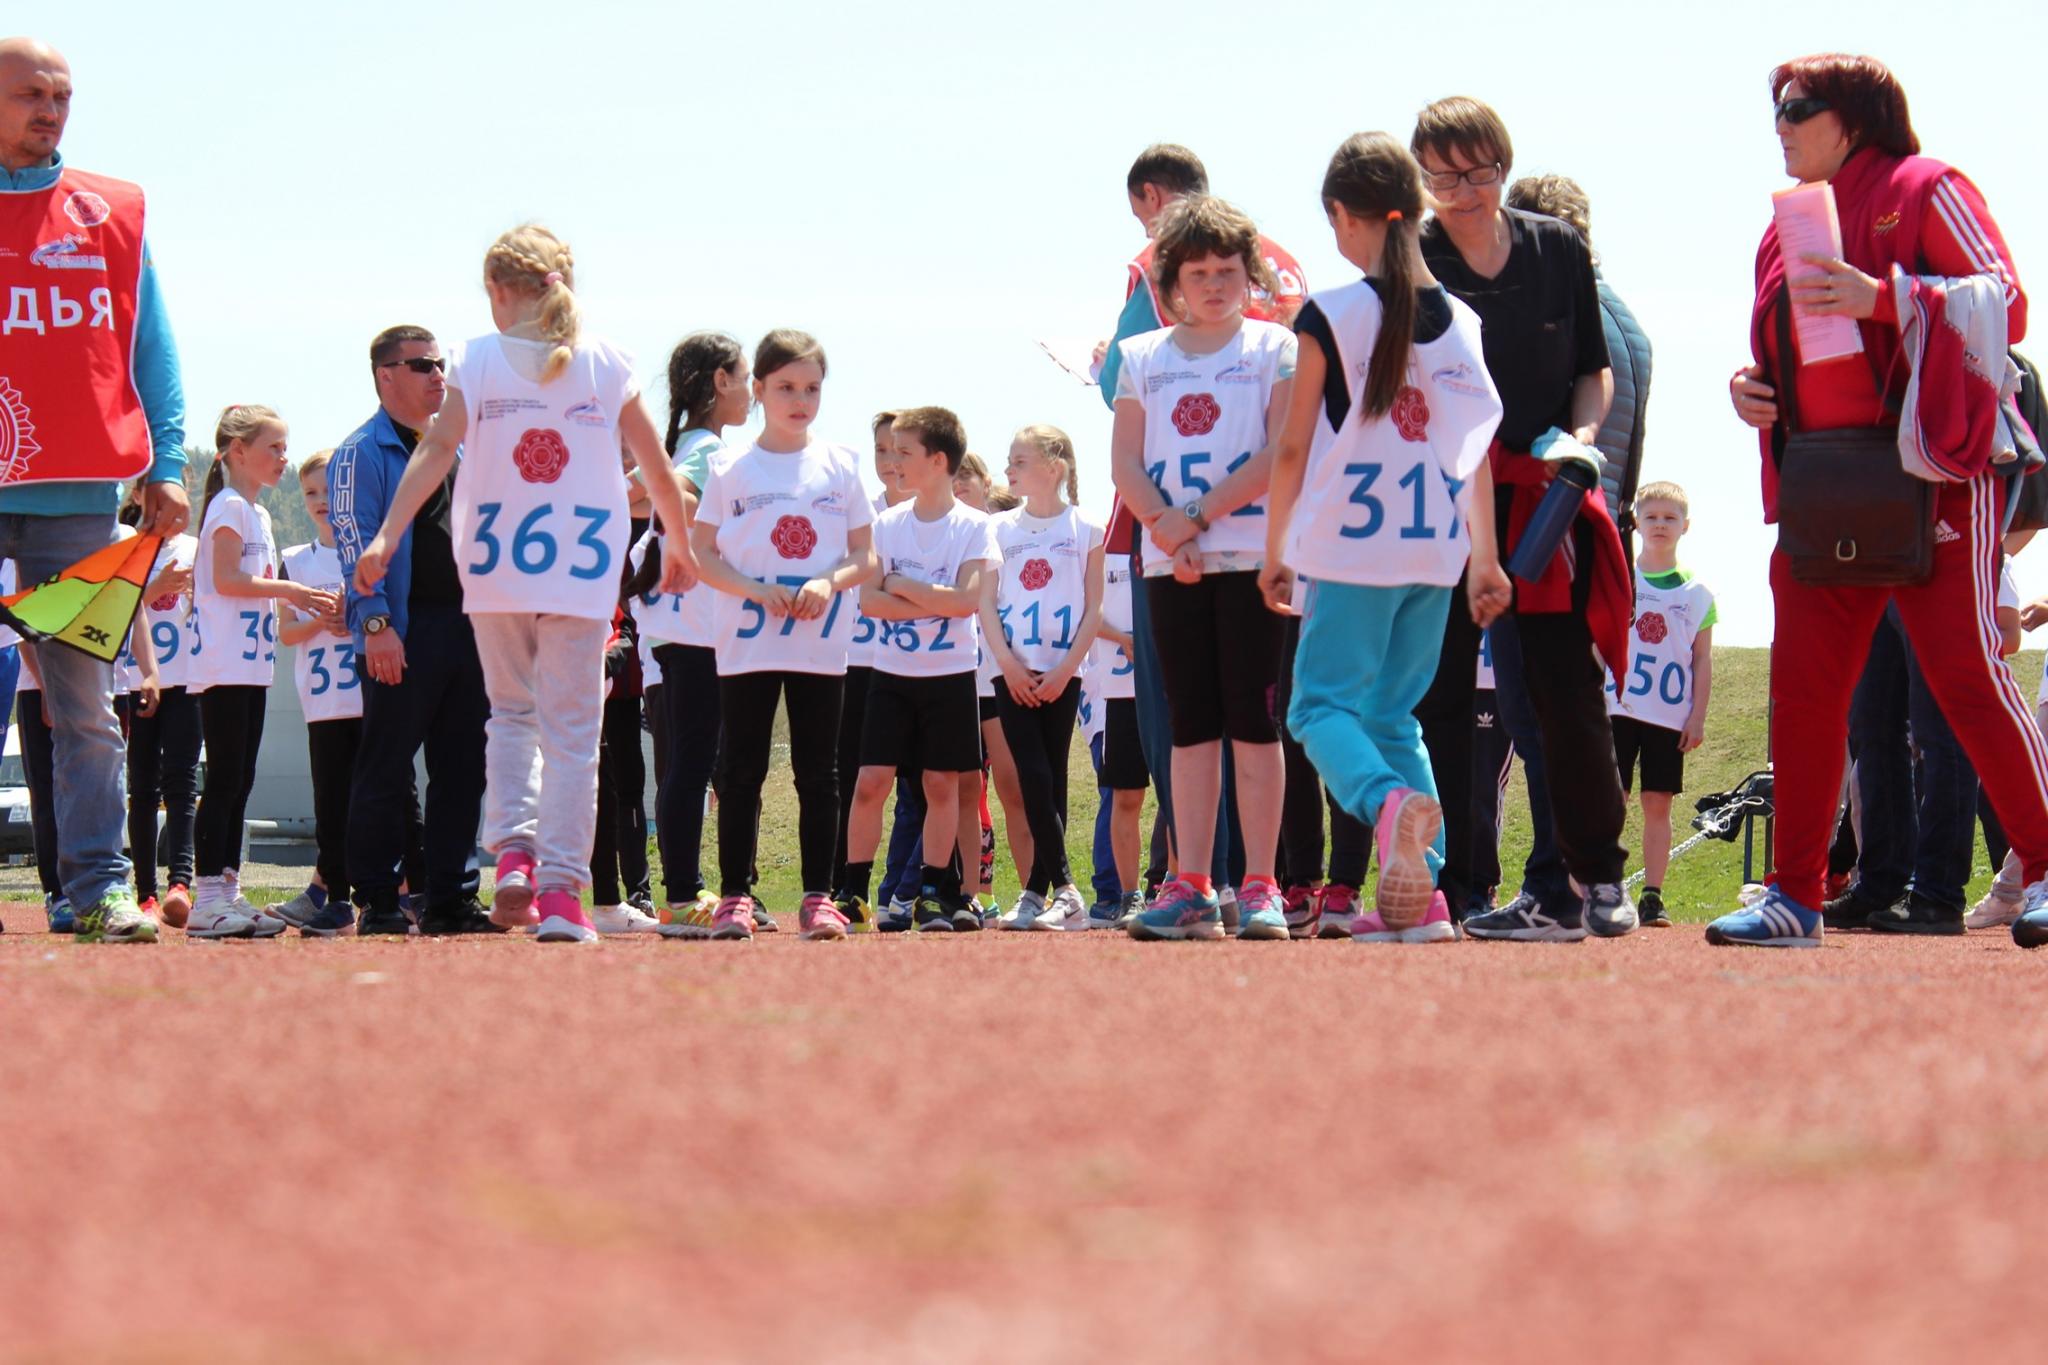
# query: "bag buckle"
(1845, 549)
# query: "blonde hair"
(242, 422)
(315, 462)
(1057, 446)
(1664, 491)
(535, 261)
(1001, 499)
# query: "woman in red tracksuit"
(1844, 120)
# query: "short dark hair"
(1171, 167)
(385, 347)
(1863, 93)
(1461, 124)
(936, 429)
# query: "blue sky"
(929, 187)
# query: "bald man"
(91, 397)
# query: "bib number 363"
(534, 548)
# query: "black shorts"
(1219, 656)
(1663, 762)
(930, 724)
(988, 706)
(1123, 758)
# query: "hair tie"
(552, 277)
(1393, 215)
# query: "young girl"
(1384, 452)
(1197, 407)
(331, 700)
(234, 623)
(1039, 614)
(782, 533)
(707, 392)
(538, 412)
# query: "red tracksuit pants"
(1817, 654)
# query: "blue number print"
(316, 664)
(1250, 509)
(262, 631)
(596, 517)
(529, 534)
(486, 542)
(1419, 528)
(1361, 495)
(164, 635)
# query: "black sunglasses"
(1800, 110)
(419, 364)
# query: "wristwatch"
(1193, 512)
(375, 625)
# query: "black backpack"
(2029, 510)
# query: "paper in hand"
(1808, 225)
(1075, 355)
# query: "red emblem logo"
(87, 209)
(1411, 414)
(794, 537)
(1650, 626)
(1035, 574)
(1195, 414)
(168, 602)
(541, 455)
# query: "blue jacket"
(158, 384)
(1621, 433)
(361, 478)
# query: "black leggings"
(1219, 656)
(853, 711)
(232, 720)
(1041, 739)
(747, 703)
(163, 770)
(331, 749)
(688, 704)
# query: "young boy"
(1660, 711)
(331, 700)
(923, 711)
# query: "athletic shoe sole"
(309, 931)
(1721, 940)
(1553, 933)
(730, 934)
(562, 929)
(1406, 886)
(684, 931)
(1204, 930)
(143, 933)
(1443, 931)
(1334, 926)
(512, 903)
(1250, 931)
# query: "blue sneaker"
(2030, 930)
(57, 909)
(1776, 921)
(1262, 912)
(334, 919)
(1180, 912)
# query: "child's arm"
(144, 651)
(882, 604)
(678, 564)
(2034, 614)
(230, 580)
(424, 472)
(1021, 681)
(857, 567)
(1290, 467)
(962, 598)
(293, 628)
(2008, 632)
(1486, 584)
(170, 579)
(1702, 687)
(1055, 681)
(713, 570)
(1168, 529)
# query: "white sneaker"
(1066, 911)
(262, 924)
(1024, 914)
(623, 919)
(214, 912)
(1999, 908)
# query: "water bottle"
(1554, 516)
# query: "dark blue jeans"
(1919, 820)
(1107, 887)
(903, 866)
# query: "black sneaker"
(1524, 920)
(1914, 913)
(382, 916)
(1606, 910)
(932, 916)
(1850, 910)
(1650, 910)
(967, 918)
(764, 923)
(461, 916)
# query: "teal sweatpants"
(1367, 656)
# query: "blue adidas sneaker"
(1776, 921)
(1180, 912)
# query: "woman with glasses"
(1916, 238)
(1530, 279)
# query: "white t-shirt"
(1656, 687)
(1482, 681)
(1382, 500)
(1110, 672)
(867, 632)
(324, 667)
(1092, 714)
(1204, 416)
(540, 519)
(681, 618)
(650, 668)
(127, 671)
(931, 552)
(1042, 593)
(172, 633)
(784, 517)
(234, 638)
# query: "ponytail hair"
(1373, 176)
(692, 385)
(1054, 444)
(535, 261)
(242, 422)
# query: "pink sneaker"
(1337, 907)
(1408, 825)
(819, 919)
(562, 918)
(512, 900)
(734, 918)
(1435, 927)
(1304, 910)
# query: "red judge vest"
(70, 272)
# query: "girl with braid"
(538, 412)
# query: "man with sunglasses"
(422, 682)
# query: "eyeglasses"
(1800, 110)
(419, 364)
(1443, 182)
